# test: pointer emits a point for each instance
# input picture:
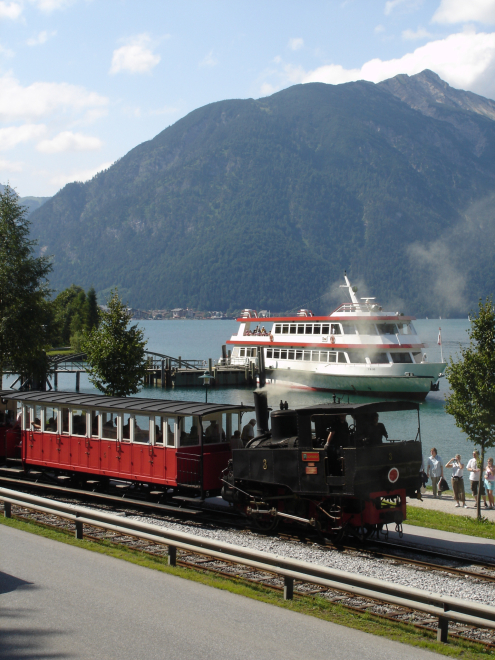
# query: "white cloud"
(390, 5)
(10, 10)
(464, 11)
(6, 51)
(10, 166)
(68, 141)
(296, 43)
(42, 38)
(379, 28)
(267, 89)
(78, 175)
(421, 33)
(209, 60)
(42, 98)
(465, 60)
(50, 5)
(135, 57)
(14, 135)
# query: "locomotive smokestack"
(304, 431)
(261, 408)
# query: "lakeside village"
(180, 313)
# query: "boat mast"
(348, 286)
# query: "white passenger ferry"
(358, 348)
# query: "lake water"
(204, 339)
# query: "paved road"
(59, 601)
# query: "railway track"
(231, 570)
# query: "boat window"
(293, 329)
(65, 420)
(242, 352)
(285, 329)
(315, 356)
(309, 329)
(190, 431)
(418, 357)
(379, 358)
(214, 428)
(342, 358)
(405, 328)
(299, 355)
(335, 329)
(366, 328)
(283, 355)
(356, 357)
(269, 352)
(78, 422)
(51, 419)
(109, 426)
(95, 426)
(278, 328)
(332, 356)
(254, 352)
(317, 329)
(401, 358)
(387, 328)
(291, 355)
(325, 329)
(300, 329)
(307, 355)
(276, 353)
(349, 329)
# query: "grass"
(68, 351)
(310, 606)
(448, 522)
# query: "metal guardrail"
(445, 608)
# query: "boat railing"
(347, 308)
(235, 361)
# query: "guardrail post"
(288, 588)
(7, 509)
(443, 629)
(79, 530)
(172, 555)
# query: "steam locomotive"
(354, 485)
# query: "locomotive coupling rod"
(442, 607)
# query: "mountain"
(264, 203)
(32, 203)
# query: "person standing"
(248, 431)
(490, 480)
(435, 471)
(474, 477)
(457, 479)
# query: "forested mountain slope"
(264, 203)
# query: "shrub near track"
(309, 605)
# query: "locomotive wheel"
(266, 525)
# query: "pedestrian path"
(447, 504)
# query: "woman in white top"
(457, 479)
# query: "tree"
(472, 379)
(25, 310)
(92, 315)
(115, 352)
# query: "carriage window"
(387, 328)
(189, 431)
(307, 356)
(285, 329)
(379, 358)
(341, 358)
(299, 355)
(109, 426)
(141, 428)
(325, 329)
(291, 355)
(317, 329)
(349, 329)
(158, 422)
(36, 414)
(214, 428)
(283, 355)
(315, 356)
(356, 357)
(276, 353)
(95, 431)
(79, 422)
(65, 420)
(332, 357)
(235, 424)
(269, 352)
(335, 329)
(300, 329)
(401, 358)
(309, 329)
(293, 329)
(168, 431)
(126, 426)
(278, 328)
(51, 419)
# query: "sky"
(82, 82)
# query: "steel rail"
(443, 607)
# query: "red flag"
(439, 336)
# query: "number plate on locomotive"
(311, 470)
(311, 456)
